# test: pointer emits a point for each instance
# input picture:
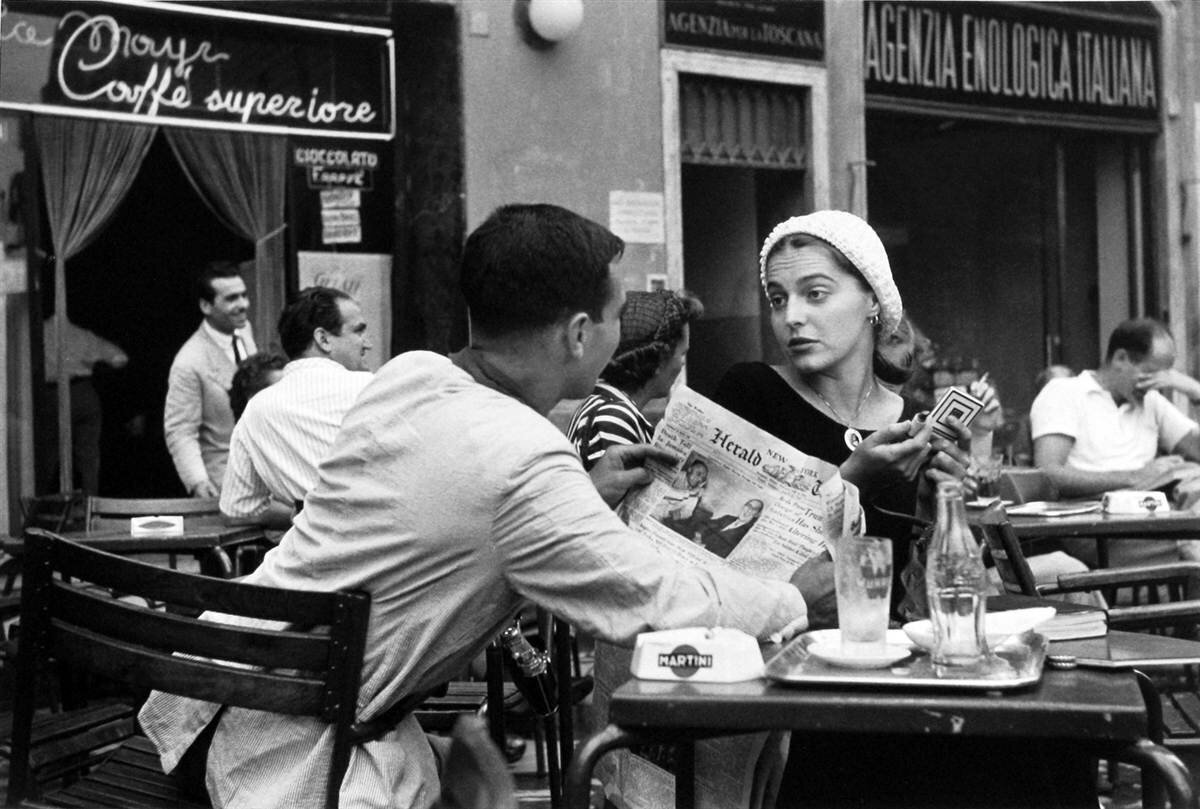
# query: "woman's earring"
(874, 319)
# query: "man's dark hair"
(1136, 337)
(213, 270)
(251, 377)
(312, 308)
(527, 266)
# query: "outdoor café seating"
(1171, 608)
(67, 616)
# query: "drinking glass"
(987, 475)
(863, 580)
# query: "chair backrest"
(1025, 485)
(114, 512)
(1005, 548)
(56, 512)
(72, 619)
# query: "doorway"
(727, 213)
(133, 285)
(1013, 246)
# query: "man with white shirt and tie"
(288, 428)
(197, 417)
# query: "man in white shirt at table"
(1112, 428)
(451, 498)
(287, 428)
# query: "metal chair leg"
(1161, 770)
(578, 781)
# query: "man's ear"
(577, 332)
(320, 339)
(206, 307)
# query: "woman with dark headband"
(655, 336)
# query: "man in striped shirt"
(287, 429)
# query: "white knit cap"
(859, 243)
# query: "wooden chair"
(1170, 592)
(66, 617)
(57, 512)
(1025, 485)
(114, 512)
(1175, 715)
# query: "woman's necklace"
(852, 437)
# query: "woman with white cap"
(832, 298)
(833, 301)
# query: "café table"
(1099, 714)
(209, 541)
(1102, 527)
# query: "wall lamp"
(547, 22)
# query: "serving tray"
(1013, 664)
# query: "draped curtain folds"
(87, 169)
(242, 178)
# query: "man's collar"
(221, 337)
(1095, 386)
(300, 363)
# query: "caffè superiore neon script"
(197, 66)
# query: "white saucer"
(999, 626)
(831, 652)
(984, 502)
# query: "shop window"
(728, 122)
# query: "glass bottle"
(955, 583)
(530, 670)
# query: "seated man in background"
(287, 428)
(255, 374)
(450, 498)
(1112, 428)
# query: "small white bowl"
(999, 626)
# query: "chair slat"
(127, 663)
(103, 795)
(135, 782)
(138, 768)
(169, 632)
(188, 590)
(150, 507)
(1005, 548)
(71, 747)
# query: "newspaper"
(737, 496)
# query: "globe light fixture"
(555, 20)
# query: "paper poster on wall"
(12, 270)
(637, 216)
(367, 277)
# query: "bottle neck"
(952, 519)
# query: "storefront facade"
(1030, 166)
(281, 131)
